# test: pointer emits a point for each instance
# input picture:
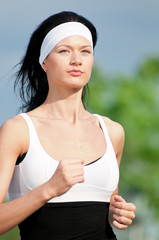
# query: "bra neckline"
(55, 160)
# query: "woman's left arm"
(121, 213)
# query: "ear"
(44, 66)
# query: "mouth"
(75, 72)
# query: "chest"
(39, 164)
(61, 141)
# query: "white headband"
(59, 33)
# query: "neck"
(64, 106)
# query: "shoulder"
(13, 132)
(115, 129)
(12, 144)
(13, 125)
(117, 135)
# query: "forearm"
(14, 212)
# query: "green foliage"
(133, 102)
(11, 235)
(150, 69)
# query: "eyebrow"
(69, 46)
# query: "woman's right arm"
(11, 146)
(12, 143)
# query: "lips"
(75, 72)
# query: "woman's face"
(70, 63)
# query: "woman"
(60, 162)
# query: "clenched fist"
(68, 173)
(121, 213)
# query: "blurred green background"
(132, 101)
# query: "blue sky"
(128, 31)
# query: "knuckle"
(68, 182)
(63, 172)
(133, 207)
(65, 176)
(120, 227)
(119, 212)
(122, 205)
(121, 219)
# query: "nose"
(75, 59)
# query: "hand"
(68, 173)
(121, 213)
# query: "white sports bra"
(101, 176)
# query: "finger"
(68, 173)
(77, 171)
(78, 179)
(119, 225)
(124, 213)
(118, 198)
(70, 167)
(124, 205)
(122, 220)
(70, 180)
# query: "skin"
(62, 115)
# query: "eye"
(86, 51)
(63, 51)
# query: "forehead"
(74, 40)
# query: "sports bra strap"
(104, 128)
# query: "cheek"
(90, 66)
(90, 62)
(89, 74)
(55, 67)
(53, 64)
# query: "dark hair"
(31, 79)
